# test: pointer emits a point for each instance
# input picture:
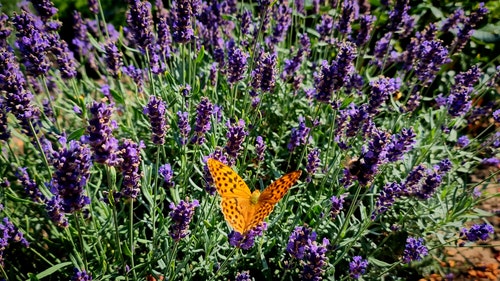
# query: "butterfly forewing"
(234, 212)
(276, 190)
(228, 183)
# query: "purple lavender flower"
(44, 8)
(372, 157)
(140, 23)
(463, 141)
(325, 27)
(4, 126)
(260, 148)
(430, 56)
(400, 144)
(386, 198)
(477, 232)
(181, 215)
(337, 205)
(130, 161)
(469, 24)
(432, 180)
(93, 6)
(496, 115)
(313, 163)
(314, 260)
(243, 276)
(164, 36)
(333, 77)
(396, 15)
(381, 90)
(10, 234)
(167, 174)
(72, 170)
(100, 133)
(299, 240)
(32, 42)
(458, 101)
(202, 125)
(156, 110)
(247, 240)
(365, 29)
(350, 120)
(299, 135)
(5, 30)
(452, 21)
(414, 250)
(30, 186)
(283, 18)
(236, 64)
(245, 22)
(263, 76)
(182, 29)
(81, 275)
(235, 137)
(492, 161)
(357, 267)
(218, 155)
(81, 40)
(350, 10)
(64, 57)
(114, 59)
(381, 49)
(184, 128)
(136, 74)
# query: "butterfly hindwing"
(234, 212)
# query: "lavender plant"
(105, 136)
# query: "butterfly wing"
(235, 203)
(270, 196)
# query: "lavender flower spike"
(140, 22)
(156, 110)
(181, 215)
(130, 161)
(357, 267)
(202, 125)
(414, 250)
(182, 29)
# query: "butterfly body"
(243, 209)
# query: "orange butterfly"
(242, 209)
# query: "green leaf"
(378, 262)
(201, 54)
(76, 134)
(49, 271)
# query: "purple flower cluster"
(72, 170)
(100, 133)
(452, 21)
(414, 250)
(156, 110)
(184, 127)
(81, 40)
(204, 111)
(4, 126)
(325, 27)
(350, 121)
(463, 141)
(243, 276)
(235, 137)
(350, 10)
(313, 163)
(372, 157)
(263, 76)
(167, 174)
(10, 234)
(467, 28)
(65, 59)
(337, 205)
(45, 8)
(302, 245)
(130, 160)
(182, 29)
(247, 240)
(140, 23)
(458, 101)
(81, 275)
(365, 29)
(381, 90)
(283, 18)
(236, 62)
(32, 42)
(386, 198)
(260, 148)
(181, 215)
(423, 182)
(430, 56)
(299, 135)
(30, 186)
(357, 267)
(333, 77)
(164, 42)
(400, 144)
(477, 232)
(113, 58)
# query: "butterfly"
(242, 209)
